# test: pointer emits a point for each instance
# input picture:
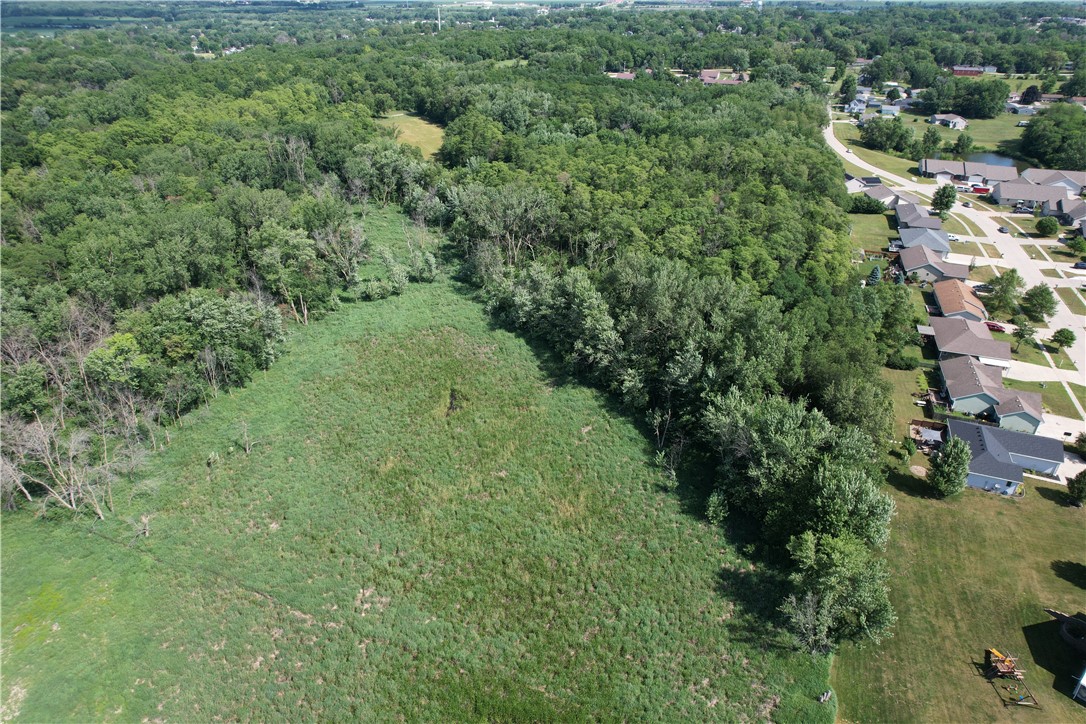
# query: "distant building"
(950, 120)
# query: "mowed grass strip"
(969, 573)
(432, 525)
(1072, 299)
(414, 130)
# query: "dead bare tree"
(247, 442)
(45, 456)
(344, 248)
(297, 150)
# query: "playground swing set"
(1005, 667)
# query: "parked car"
(982, 288)
(995, 326)
(967, 204)
(1079, 265)
(981, 190)
(1022, 210)
(1004, 230)
(953, 237)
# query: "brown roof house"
(929, 265)
(955, 337)
(974, 388)
(957, 299)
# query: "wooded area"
(683, 247)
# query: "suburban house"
(853, 185)
(928, 265)
(967, 70)
(1023, 193)
(1000, 456)
(889, 110)
(1019, 109)
(950, 120)
(957, 299)
(1073, 181)
(717, 76)
(856, 105)
(969, 172)
(977, 389)
(915, 216)
(1071, 212)
(934, 239)
(963, 338)
(888, 196)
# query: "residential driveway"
(1012, 254)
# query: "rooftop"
(964, 337)
(954, 297)
(992, 448)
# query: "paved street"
(1012, 254)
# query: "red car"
(995, 327)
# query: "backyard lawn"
(999, 134)
(872, 232)
(1053, 396)
(968, 573)
(415, 130)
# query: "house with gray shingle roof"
(935, 239)
(915, 216)
(929, 265)
(974, 388)
(1073, 181)
(962, 338)
(1000, 456)
(1023, 193)
(1069, 211)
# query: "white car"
(953, 237)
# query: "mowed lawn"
(970, 573)
(432, 525)
(414, 130)
(849, 135)
(872, 232)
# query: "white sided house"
(1031, 196)
(967, 172)
(950, 120)
(1000, 456)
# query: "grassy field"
(415, 131)
(995, 134)
(434, 524)
(1053, 396)
(968, 573)
(872, 232)
(1072, 299)
(983, 272)
(849, 135)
